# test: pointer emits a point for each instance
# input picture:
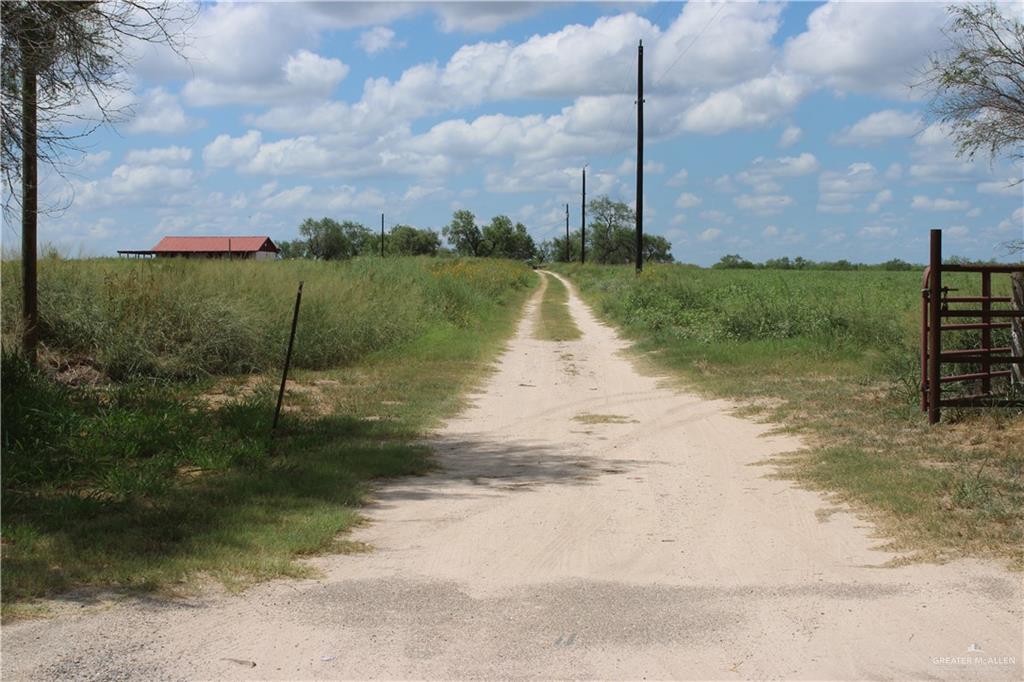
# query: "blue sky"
(772, 129)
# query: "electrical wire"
(691, 44)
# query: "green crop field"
(833, 356)
(140, 456)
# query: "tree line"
(610, 239)
(735, 261)
(327, 239)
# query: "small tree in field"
(977, 85)
(404, 240)
(327, 239)
(505, 240)
(464, 235)
(657, 249)
(610, 235)
(555, 249)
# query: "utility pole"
(640, 158)
(29, 204)
(568, 253)
(381, 235)
(583, 220)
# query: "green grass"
(833, 356)
(141, 484)
(555, 322)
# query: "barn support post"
(287, 358)
(935, 326)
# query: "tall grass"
(184, 319)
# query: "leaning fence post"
(935, 323)
(1017, 328)
(287, 357)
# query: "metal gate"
(996, 376)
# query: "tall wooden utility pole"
(583, 220)
(568, 253)
(640, 158)
(29, 205)
(381, 235)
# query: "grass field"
(834, 356)
(148, 462)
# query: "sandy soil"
(555, 543)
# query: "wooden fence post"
(287, 358)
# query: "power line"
(691, 44)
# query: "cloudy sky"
(772, 129)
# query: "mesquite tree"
(977, 85)
(58, 60)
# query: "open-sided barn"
(258, 248)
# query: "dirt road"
(587, 523)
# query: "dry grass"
(587, 418)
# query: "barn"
(256, 248)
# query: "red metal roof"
(214, 244)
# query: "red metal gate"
(991, 387)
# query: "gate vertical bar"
(986, 332)
(1017, 330)
(935, 326)
(925, 322)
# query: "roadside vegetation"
(833, 356)
(555, 323)
(139, 455)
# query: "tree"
(503, 240)
(657, 249)
(55, 56)
(978, 83)
(554, 249)
(404, 240)
(464, 235)
(611, 236)
(896, 264)
(296, 248)
(77, 54)
(733, 261)
(327, 239)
